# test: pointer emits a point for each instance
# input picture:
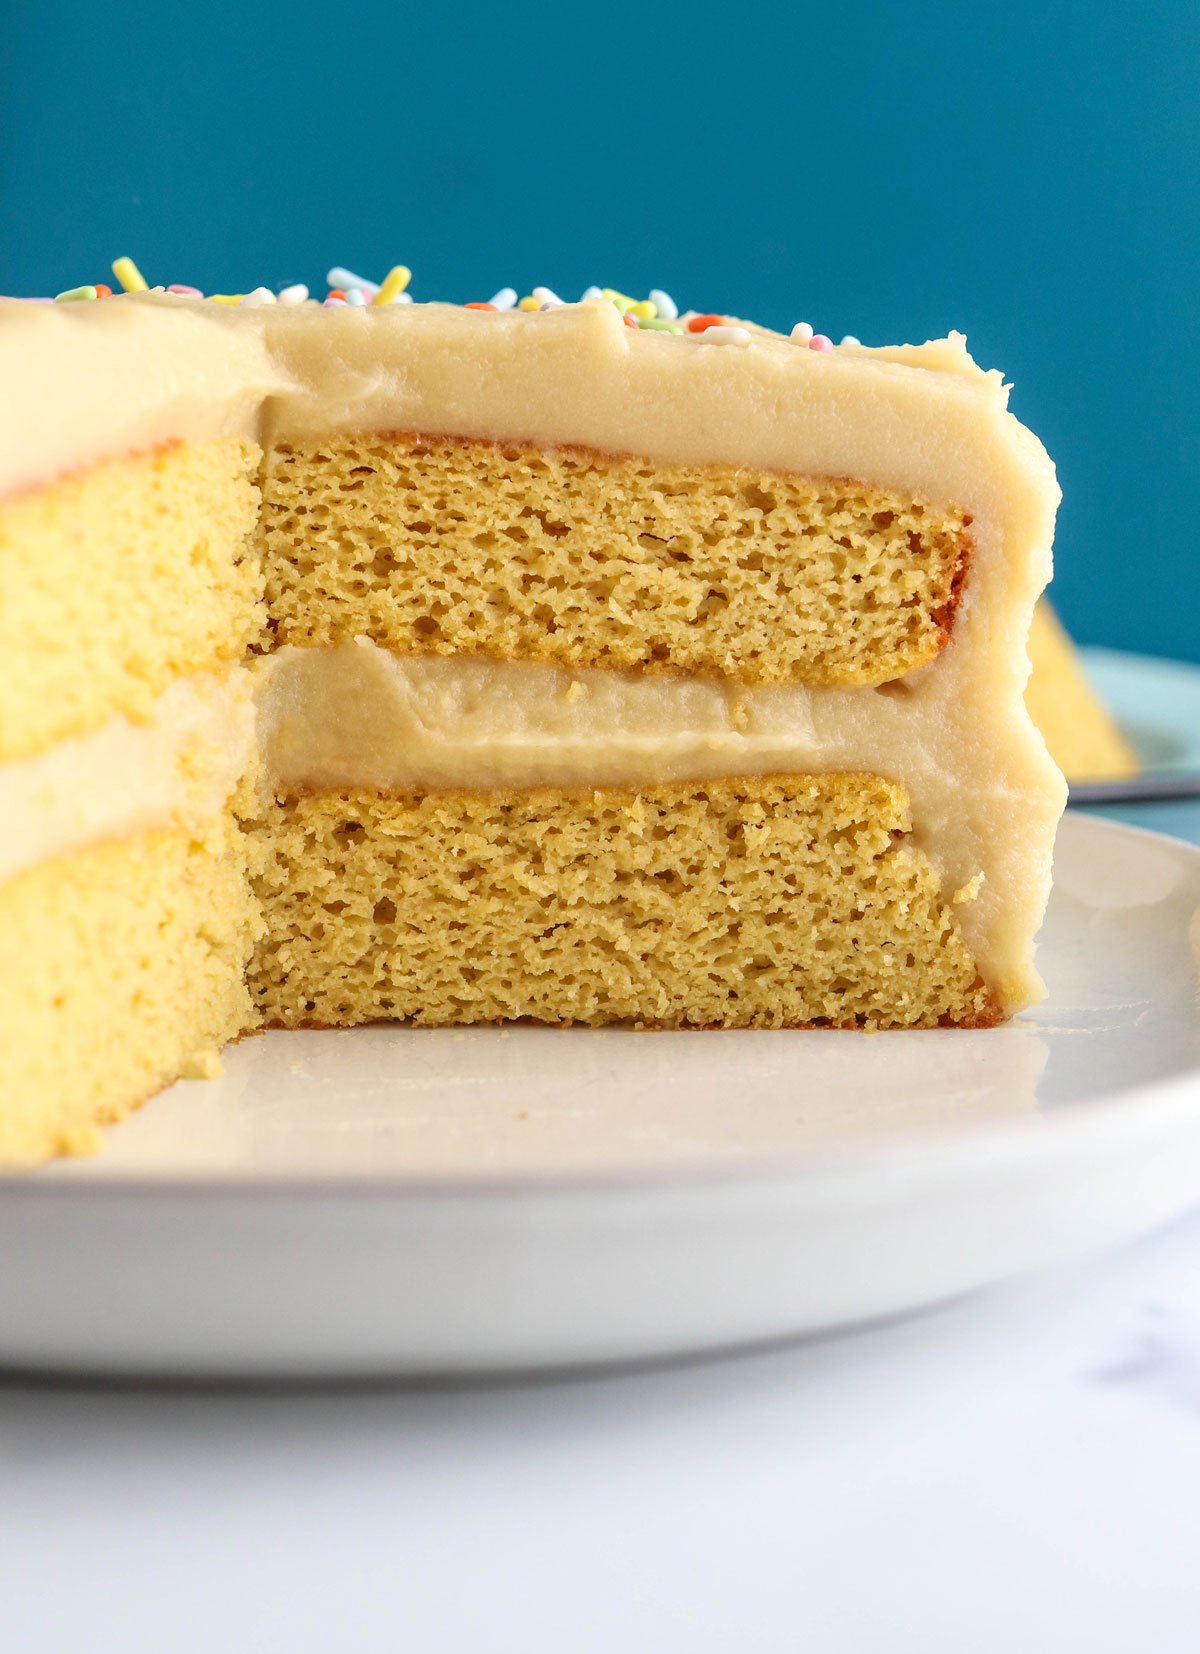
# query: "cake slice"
(1084, 738)
(453, 665)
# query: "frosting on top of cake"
(137, 370)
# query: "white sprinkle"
(259, 297)
(355, 295)
(721, 334)
(665, 304)
(403, 298)
(293, 295)
(591, 293)
(504, 299)
(802, 333)
(546, 296)
(344, 279)
(849, 339)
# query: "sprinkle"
(128, 274)
(403, 298)
(802, 333)
(393, 284)
(546, 297)
(723, 333)
(664, 304)
(529, 303)
(643, 310)
(820, 341)
(592, 293)
(630, 321)
(698, 324)
(622, 300)
(73, 293)
(103, 290)
(226, 298)
(476, 304)
(504, 299)
(296, 294)
(340, 278)
(355, 295)
(654, 324)
(849, 339)
(333, 301)
(256, 299)
(335, 293)
(184, 290)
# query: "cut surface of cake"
(461, 664)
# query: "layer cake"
(457, 664)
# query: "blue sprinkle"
(344, 280)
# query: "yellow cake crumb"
(776, 902)
(443, 546)
(118, 580)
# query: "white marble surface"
(1018, 1473)
(1021, 1472)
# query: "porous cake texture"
(123, 968)
(117, 580)
(752, 621)
(578, 558)
(774, 902)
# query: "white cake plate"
(406, 1201)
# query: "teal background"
(1025, 173)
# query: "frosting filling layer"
(355, 716)
(124, 778)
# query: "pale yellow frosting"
(86, 379)
(178, 768)
(357, 716)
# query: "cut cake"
(460, 664)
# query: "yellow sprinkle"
(645, 308)
(227, 298)
(393, 284)
(128, 274)
(529, 303)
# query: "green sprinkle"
(75, 293)
(656, 326)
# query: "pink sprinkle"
(820, 341)
(188, 292)
(333, 303)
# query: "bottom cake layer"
(123, 968)
(782, 901)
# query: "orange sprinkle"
(103, 291)
(336, 293)
(630, 321)
(475, 304)
(699, 323)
